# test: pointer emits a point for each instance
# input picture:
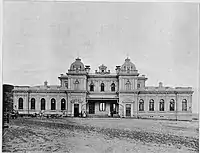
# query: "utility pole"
(176, 104)
(28, 103)
(137, 101)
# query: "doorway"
(128, 110)
(113, 108)
(91, 108)
(76, 110)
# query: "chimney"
(87, 68)
(160, 84)
(117, 69)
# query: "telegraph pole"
(176, 105)
(28, 103)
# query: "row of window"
(43, 104)
(102, 87)
(162, 105)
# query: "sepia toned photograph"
(100, 77)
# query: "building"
(101, 93)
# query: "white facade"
(101, 93)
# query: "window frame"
(162, 103)
(53, 103)
(61, 101)
(128, 85)
(20, 103)
(102, 106)
(102, 87)
(32, 103)
(172, 102)
(141, 105)
(92, 87)
(113, 87)
(151, 105)
(43, 104)
(184, 105)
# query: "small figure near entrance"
(84, 114)
(109, 114)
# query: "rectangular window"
(91, 87)
(66, 84)
(102, 106)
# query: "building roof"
(77, 65)
(128, 65)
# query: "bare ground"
(100, 136)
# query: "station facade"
(99, 94)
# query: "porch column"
(124, 114)
(72, 110)
(80, 108)
(132, 109)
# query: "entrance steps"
(102, 116)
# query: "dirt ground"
(78, 135)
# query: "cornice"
(101, 76)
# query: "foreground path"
(69, 135)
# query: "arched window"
(66, 83)
(172, 105)
(162, 106)
(63, 104)
(43, 104)
(128, 85)
(32, 103)
(76, 83)
(184, 105)
(20, 103)
(151, 105)
(102, 86)
(112, 87)
(91, 87)
(141, 105)
(53, 104)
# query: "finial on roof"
(77, 54)
(45, 83)
(127, 56)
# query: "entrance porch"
(102, 108)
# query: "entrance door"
(76, 110)
(128, 110)
(91, 108)
(113, 108)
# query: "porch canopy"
(102, 97)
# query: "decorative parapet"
(77, 72)
(102, 70)
(165, 90)
(128, 73)
(142, 77)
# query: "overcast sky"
(42, 39)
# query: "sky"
(42, 39)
